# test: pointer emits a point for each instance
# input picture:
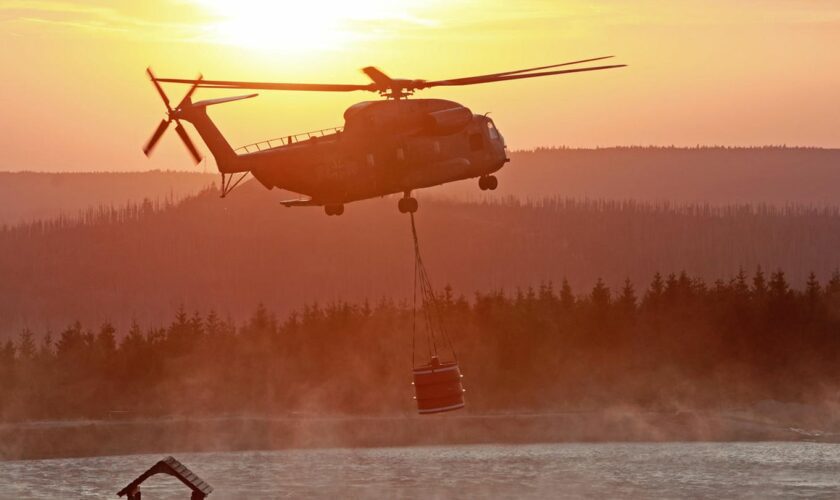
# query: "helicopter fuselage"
(385, 147)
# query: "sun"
(296, 26)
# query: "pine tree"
(567, 298)
(71, 342)
(833, 286)
(653, 297)
(26, 344)
(739, 285)
(778, 287)
(7, 354)
(627, 299)
(212, 324)
(134, 341)
(813, 291)
(759, 288)
(47, 349)
(106, 343)
(546, 295)
(600, 296)
(196, 327)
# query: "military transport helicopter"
(391, 146)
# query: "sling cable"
(437, 383)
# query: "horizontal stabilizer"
(222, 100)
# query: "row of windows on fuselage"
(476, 144)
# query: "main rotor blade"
(182, 132)
(492, 78)
(532, 69)
(315, 87)
(147, 149)
(159, 89)
(222, 100)
(377, 76)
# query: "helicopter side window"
(476, 142)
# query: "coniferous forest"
(675, 342)
(141, 261)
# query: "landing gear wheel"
(486, 182)
(334, 209)
(408, 205)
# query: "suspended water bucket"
(437, 387)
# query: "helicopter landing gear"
(334, 209)
(486, 182)
(407, 205)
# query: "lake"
(670, 470)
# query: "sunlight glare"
(298, 26)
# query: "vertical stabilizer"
(226, 159)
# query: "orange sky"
(74, 96)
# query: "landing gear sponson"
(406, 204)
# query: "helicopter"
(391, 146)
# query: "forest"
(677, 342)
(703, 174)
(28, 196)
(141, 260)
(713, 175)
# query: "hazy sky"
(745, 72)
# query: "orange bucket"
(437, 387)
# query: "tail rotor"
(172, 116)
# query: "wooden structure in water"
(200, 489)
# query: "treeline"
(716, 175)
(27, 196)
(142, 260)
(130, 211)
(678, 343)
(137, 211)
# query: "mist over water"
(673, 470)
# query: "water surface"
(672, 470)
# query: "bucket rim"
(441, 409)
(443, 367)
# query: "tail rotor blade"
(159, 89)
(191, 91)
(147, 149)
(182, 132)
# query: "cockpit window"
(491, 130)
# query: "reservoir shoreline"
(87, 438)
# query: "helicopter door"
(476, 142)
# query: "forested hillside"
(143, 261)
(775, 176)
(26, 196)
(772, 175)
